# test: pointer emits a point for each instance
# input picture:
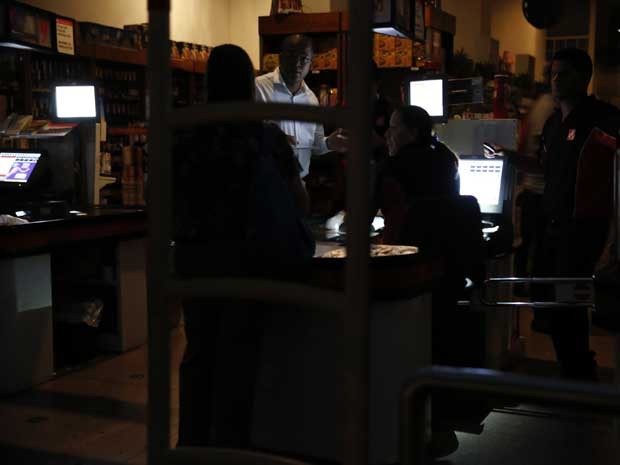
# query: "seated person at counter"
(418, 166)
(238, 212)
(286, 85)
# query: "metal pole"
(355, 319)
(159, 222)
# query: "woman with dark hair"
(230, 75)
(418, 166)
(239, 206)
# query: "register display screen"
(75, 102)
(17, 167)
(428, 94)
(482, 179)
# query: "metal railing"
(589, 397)
(479, 301)
(352, 305)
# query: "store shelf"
(113, 54)
(117, 131)
(200, 67)
(183, 65)
(307, 23)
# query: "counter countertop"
(391, 277)
(93, 224)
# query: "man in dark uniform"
(571, 245)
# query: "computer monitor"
(430, 93)
(17, 168)
(465, 91)
(484, 179)
(74, 103)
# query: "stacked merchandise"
(100, 34)
(132, 178)
(325, 60)
(392, 52)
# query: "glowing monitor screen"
(427, 94)
(482, 179)
(75, 102)
(17, 167)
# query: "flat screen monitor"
(483, 179)
(430, 94)
(74, 102)
(17, 168)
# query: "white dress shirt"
(310, 136)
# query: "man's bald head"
(296, 42)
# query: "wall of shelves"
(329, 32)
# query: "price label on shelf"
(64, 36)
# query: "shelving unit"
(25, 86)
(327, 34)
(331, 31)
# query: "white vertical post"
(159, 222)
(355, 318)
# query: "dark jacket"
(414, 172)
(561, 145)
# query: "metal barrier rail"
(479, 302)
(583, 396)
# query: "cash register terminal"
(489, 181)
(24, 184)
(17, 167)
(484, 179)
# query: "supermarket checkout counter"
(299, 383)
(41, 261)
(297, 398)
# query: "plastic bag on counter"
(8, 220)
(85, 311)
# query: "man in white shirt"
(286, 85)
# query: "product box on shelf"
(99, 34)
(142, 31)
(25, 25)
(272, 60)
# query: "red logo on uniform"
(571, 134)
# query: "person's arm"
(523, 162)
(290, 170)
(394, 208)
(300, 194)
(337, 141)
(319, 146)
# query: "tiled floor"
(96, 416)
(93, 416)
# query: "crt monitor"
(20, 168)
(74, 103)
(484, 179)
(430, 93)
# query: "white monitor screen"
(482, 179)
(427, 94)
(75, 102)
(17, 167)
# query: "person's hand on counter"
(338, 141)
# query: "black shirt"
(424, 171)
(214, 172)
(561, 146)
